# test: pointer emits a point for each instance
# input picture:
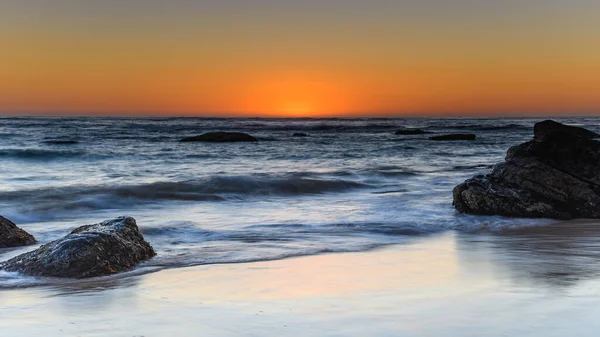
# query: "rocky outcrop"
(455, 136)
(106, 248)
(541, 129)
(556, 175)
(221, 137)
(410, 132)
(13, 236)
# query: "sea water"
(350, 185)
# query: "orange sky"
(300, 57)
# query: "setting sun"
(298, 108)
(297, 95)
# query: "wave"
(36, 203)
(346, 127)
(187, 244)
(61, 142)
(484, 127)
(40, 154)
(182, 244)
(376, 171)
(472, 167)
(338, 126)
(184, 126)
(391, 171)
(184, 233)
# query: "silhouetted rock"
(106, 248)
(13, 236)
(221, 137)
(556, 176)
(541, 129)
(299, 134)
(409, 132)
(455, 136)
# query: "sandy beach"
(541, 281)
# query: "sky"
(300, 58)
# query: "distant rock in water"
(13, 236)
(409, 132)
(541, 129)
(554, 176)
(102, 249)
(455, 136)
(221, 137)
(299, 134)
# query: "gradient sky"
(300, 57)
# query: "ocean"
(351, 185)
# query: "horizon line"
(353, 115)
(140, 116)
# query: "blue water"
(351, 185)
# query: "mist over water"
(351, 185)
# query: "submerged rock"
(409, 132)
(541, 129)
(106, 248)
(455, 136)
(13, 236)
(221, 137)
(554, 176)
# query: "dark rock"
(13, 236)
(455, 136)
(541, 129)
(409, 132)
(221, 137)
(106, 248)
(557, 176)
(299, 134)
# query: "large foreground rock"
(221, 137)
(13, 236)
(541, 129)
(556, 175)
(106, 248)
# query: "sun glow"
(297, 95)
(298, 108)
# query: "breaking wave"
(44, 202)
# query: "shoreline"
(545, 226)
(429, 287)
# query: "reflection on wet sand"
(532, 283)
(560, 254)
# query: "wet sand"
(542, 281)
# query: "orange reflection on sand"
(411, 271)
